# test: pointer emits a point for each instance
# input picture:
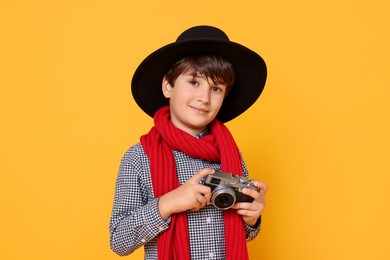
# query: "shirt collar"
(202, 134)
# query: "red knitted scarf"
(218, 146)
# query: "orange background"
(319, 135)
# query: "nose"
(203, 95)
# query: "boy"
(190, 88)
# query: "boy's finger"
(200, 174)
(262, 186)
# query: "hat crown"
(202, 32)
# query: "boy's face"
(194, 102)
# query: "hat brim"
(250, 68)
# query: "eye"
(193, 82)
(216, 89)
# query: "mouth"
(199, 110)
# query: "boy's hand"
(189, 196)
(250, 212)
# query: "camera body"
(226, 189)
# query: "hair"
(209, 66)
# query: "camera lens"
(223, 197)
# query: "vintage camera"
(226, 189)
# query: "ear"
(166, 88)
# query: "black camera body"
(226, 189)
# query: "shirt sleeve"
(135, 218)
(250, 232)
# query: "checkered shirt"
(135, 219)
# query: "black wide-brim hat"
(250, 68)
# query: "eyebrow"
(199, 75)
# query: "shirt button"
(143, 240)
(208, 220)
(211, 254)
(161, 228)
